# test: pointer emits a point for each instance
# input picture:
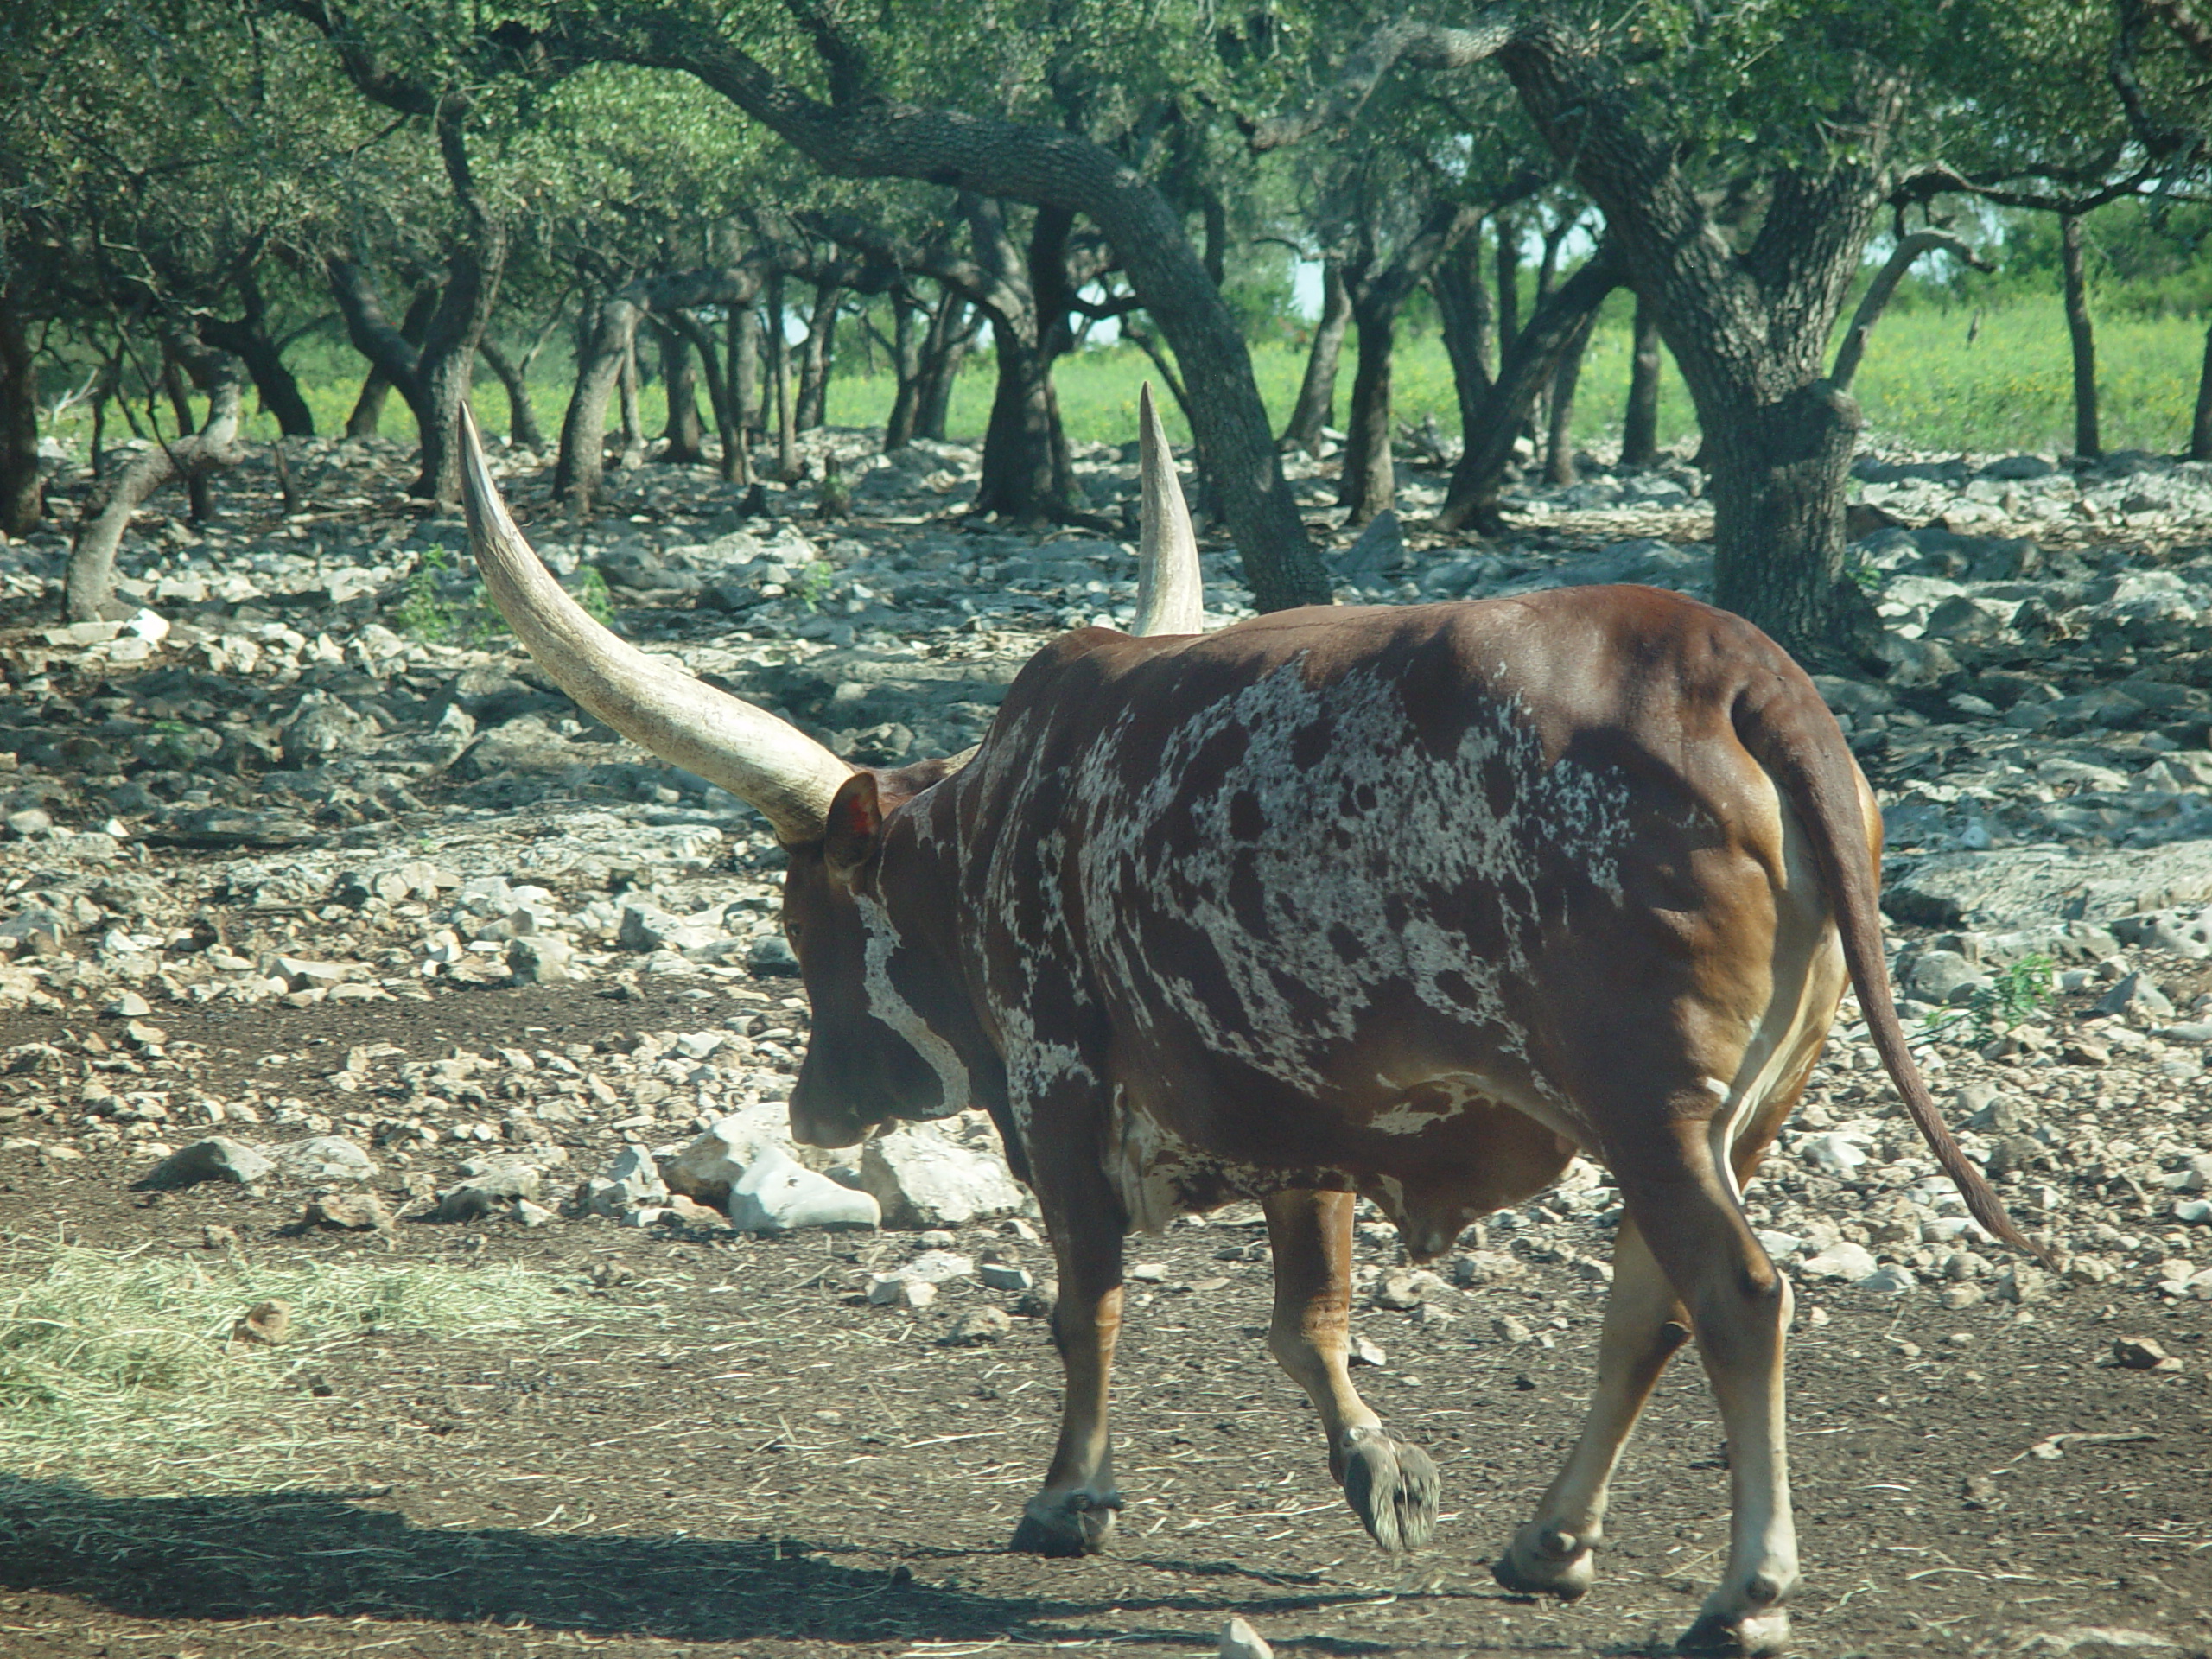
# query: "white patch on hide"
(885, 1002)
(1417, 827)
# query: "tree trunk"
(779, 375)
(1559, 436)
(250, 341)
(199, 500)
(1463, 309)
(814, 361)
(1021, 445)
(952, 332)
(906, 342)
(2083, 336)
(632, 450)
(1640, 423)
(476, 259)
(686, 444)
(394, 354)
(864, 138)
(2200, 431)
(582, 463)
(1508, 277)
(743, 338)
(1368, 483)
(1316, 393)
(702, 340)
(23, 485)
(88, 586)
(1777, 474)
(522, 430)
(1529, 364)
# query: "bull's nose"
(823, 1115)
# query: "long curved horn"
(1171, 597)
(749, 751)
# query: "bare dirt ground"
(732, 1454)
(768, 1467)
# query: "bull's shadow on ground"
(310, 1553)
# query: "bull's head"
(880, 1048)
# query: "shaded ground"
(760, 1464)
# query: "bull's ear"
(855, 819)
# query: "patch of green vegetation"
(2014, 994)
(591, 592)
(811, 585)
(120, 1365)
(429, 614)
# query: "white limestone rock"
(923, 1179)
(777, 1194)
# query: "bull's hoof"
(1750, 1636)
(1066, 1523)
(1392, 1487)
(1545, 1561)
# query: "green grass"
(1923, 386)
(118, 1367)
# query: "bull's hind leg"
(1075, 1511)
(1556, 1553)
(1685, 1205)
(1389, 1483)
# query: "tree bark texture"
(743, 334)
(858, 137)
(369, 332)
(1316, 393)
(1746, 311)
(23, 485)
(1559, 435)
(684, 436)
(1640, 421)
(582, 466)
(908, 333)
(700, 339)
(1369, 482)
(1776, 478)
(200, 499)
(88, 585)
(476, 259)
(1489, 427)
(248, 339)
(1509, 277)
(952, 333)
(2082, 334)
(819, 354)
(1463, 308)
(522, 430)
(630, 452)
(779, 380)
(1379, 288)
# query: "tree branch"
(1884, 285)
(1427, 45)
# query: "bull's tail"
(1797, 739)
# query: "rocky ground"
(329, 924)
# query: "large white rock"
(923, 1181)
(776, 1194)
(1844, 1260)
(707, 1169)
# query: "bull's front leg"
(1391, 1483)
(1075, 1511)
